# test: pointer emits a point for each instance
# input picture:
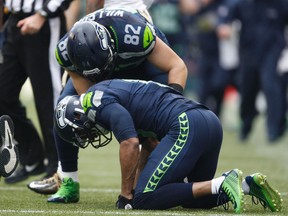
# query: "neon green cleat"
(232, 187)
(260, 189)
(67, 193)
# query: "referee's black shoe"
(23, 172)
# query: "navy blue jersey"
(128, 106)
(133, 36)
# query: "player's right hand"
(124, 203)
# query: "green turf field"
(100, 178)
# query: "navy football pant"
(190, 149)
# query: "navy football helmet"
(73, 126)
(91, 50)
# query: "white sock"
(245, 187)
(59, 170)
(61, 174)
(216, 183)
(73, 175)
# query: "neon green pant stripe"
(171, 155)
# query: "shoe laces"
(65, 187)
(223, 200)
(67, 182)
(256, 201)
(256, 188)
(52, 179)
(230, 197)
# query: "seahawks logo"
(102, 35)
(60, 112)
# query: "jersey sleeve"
(136, 39)
(120, 121)
(109, 113)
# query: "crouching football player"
(190, 141)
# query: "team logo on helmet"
(103, 38)
(60, 112)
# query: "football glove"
(124, 203)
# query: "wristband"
(177, 87)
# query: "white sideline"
(82, 189)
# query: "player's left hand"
(124, 203)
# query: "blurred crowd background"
(235, 52)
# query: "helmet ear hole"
(77, 116)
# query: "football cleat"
(232, 187)
(9, 156)
(67, 193)
(260, 189)
(46, 185)
(23, 172)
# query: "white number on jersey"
(132, 36)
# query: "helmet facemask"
(96, 135)
(73, 126)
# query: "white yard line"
(120, 212)
(85, 190)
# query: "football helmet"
(91, 50)
(73, 126)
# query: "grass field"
(100, 177)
